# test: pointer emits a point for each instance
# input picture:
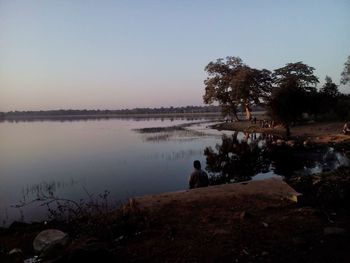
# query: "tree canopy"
(233, 83)
(299, 74)
(294, 85)
(329, 89)
(345, 75)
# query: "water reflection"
(240, 158)
(132, 158)
(179, 135)
(175, 155)
(47, 188)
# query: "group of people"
(267, 124)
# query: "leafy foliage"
(329, 189)
(294, 87)
(329, 89)
(232, 83)
(345, 75)
(298, 74)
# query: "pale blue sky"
(125, 54)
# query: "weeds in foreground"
(95, 216)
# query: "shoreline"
(317, 132)
(253, 221)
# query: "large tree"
(301, 75)
(345, 75)
(232, 83)
(294, 86)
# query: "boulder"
(291, 143)
(16, 256)
(55, 249)
(49, 237)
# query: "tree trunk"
(248, 112)
(287, 131)
(234, 135)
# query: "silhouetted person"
(253, 121)
(198, 178)
(346, 128)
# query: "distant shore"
(108, 116)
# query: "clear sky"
(125, 54)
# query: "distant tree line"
(288, 93)
(70, 112)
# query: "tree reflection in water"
(239, 159)
(234, 159)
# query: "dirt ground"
(254, 222)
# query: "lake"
(127, 157)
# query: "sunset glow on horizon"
(126, 54)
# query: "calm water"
(97, 155)
(72, 157)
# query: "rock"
(245, 252)
(242, 215)
(291, 143)
(295, 197)
(280, 142)
(55, 249)
(34, 259)
(245, 215)
(119, 239)
(307, 142)
(265, 224)
(16, 256)
(333, 231)
(48, 237)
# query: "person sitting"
(346, 128)
(198, 178)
